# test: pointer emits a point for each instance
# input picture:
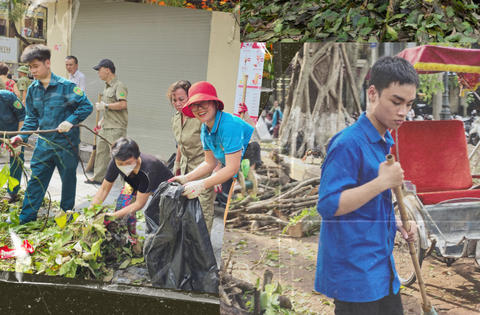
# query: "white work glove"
(182, 179)
(101, 105)
(15, 141)
(217, 188)
(65, 126)
(193, 189)
(176, 167)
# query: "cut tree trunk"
(305, 226)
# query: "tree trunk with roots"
(314, 109)
(358, 76)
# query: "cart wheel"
(241, 180)
(473, 139)
(402, 257)
(477, 254)
(251, 177)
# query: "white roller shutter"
(152, 47)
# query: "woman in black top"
(142, 174)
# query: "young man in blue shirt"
(52, 102)
(355, 263)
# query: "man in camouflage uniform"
(52, 102)
(12, 115)
(23, 83)
(113, 124)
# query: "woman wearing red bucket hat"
(224, 138)
(190, 150)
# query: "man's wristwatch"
(106, 106)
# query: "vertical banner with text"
(251, 64)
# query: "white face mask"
(127, 169)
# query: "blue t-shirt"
(278, 115)
(229, 134)
(47, 108)
(11, 111)
(355, 260)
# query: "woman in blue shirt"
(224, 138)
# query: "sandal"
(92, 182)
(10, 198)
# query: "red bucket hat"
(199, 92)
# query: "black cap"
(106, 63)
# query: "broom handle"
(406, 225)
(245, 81)
(228, 201)
(96, 121)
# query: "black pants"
(388, 305)
(253, 154)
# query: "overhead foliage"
(15, 10)
(209, 5)
(365, 20)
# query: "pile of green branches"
(84, 248)
(365, 20)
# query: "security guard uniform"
(114, 126)
(23, 83)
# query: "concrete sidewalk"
(84, 191)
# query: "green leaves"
(69, 253)
(278, 28)
(69, 269)
(340, 21)
(393, 34)
(4, 175)
(125, 264)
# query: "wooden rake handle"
(413, 253)
(96, 122)
(228, 201)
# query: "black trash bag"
(178, 251)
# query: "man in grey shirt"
(71, 64)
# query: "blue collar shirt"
(47, 108)
(355, 261)
(229, 134)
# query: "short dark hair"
(388, 70)
(124, 149)
(36, 51)
(3, 68)
(74, 58)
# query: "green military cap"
(23, 69)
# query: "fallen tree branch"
(226, 266)
(263, 217)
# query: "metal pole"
(445, 113)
